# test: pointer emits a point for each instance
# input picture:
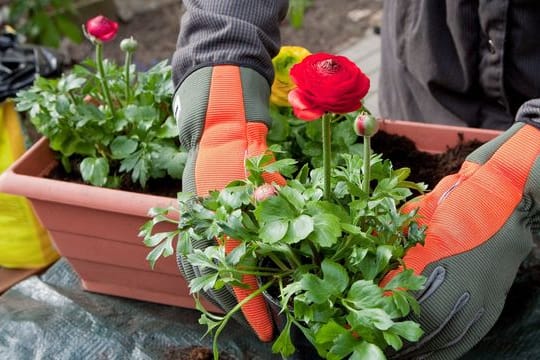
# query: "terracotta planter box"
(96, 229)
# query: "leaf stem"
(229, 314)
(327, 155)
(102, 80)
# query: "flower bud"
(264, 192)
(366, 125)
(129, 45)
(101, 28)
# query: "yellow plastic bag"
(24, 243)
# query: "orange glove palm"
(222, 113)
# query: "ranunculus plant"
(108, 122)
(320, 244)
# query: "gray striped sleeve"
(240, 32)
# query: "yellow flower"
(284, 60)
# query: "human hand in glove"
(480, 224)
(223, 117)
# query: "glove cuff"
(529, 113)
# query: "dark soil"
(425, 167)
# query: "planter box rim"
(18, 181)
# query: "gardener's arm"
(480, 226)
(222, 71)
(243, 33)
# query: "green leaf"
(327, 230)
(377, 318)
(169, 129)
(406, 280)
(122, 146)
(335, 274)
(328, 332)
(234, 196)
(408, 330)
(365, 350)
(164, 249)
(274, 208)
(401, 302)
(365, 294)
(156, 238)
(204, 282)
(333, 283)
(293, 196)
(299, 229)
(274, 231)
(283, 344)
(393, 340)
(344, 344)
(95, 170)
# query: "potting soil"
(52, 317)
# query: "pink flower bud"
(264, 192)
(101, 28)
(366, 125)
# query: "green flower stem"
(327, 155)
(236, 308)
(127, 65)
(101, 71)
(367, 164)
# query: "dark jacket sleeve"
(244, 33)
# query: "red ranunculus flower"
(326, 83)
(101, 28)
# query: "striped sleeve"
(244, 33)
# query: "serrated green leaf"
(377, 318)
(364, 294)
(408, 330)
(406, 280)
(156, 238)
(274, 208)
(203, 282)
(164, 249)
(327, 230)
(283, 344)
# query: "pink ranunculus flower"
(101, 28)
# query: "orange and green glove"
(480, 225)
(223, 117)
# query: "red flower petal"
(301, 107)
(101, 28)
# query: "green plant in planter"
(113, 121)
(321, 243)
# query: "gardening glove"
(223, 117)
(480, 225)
